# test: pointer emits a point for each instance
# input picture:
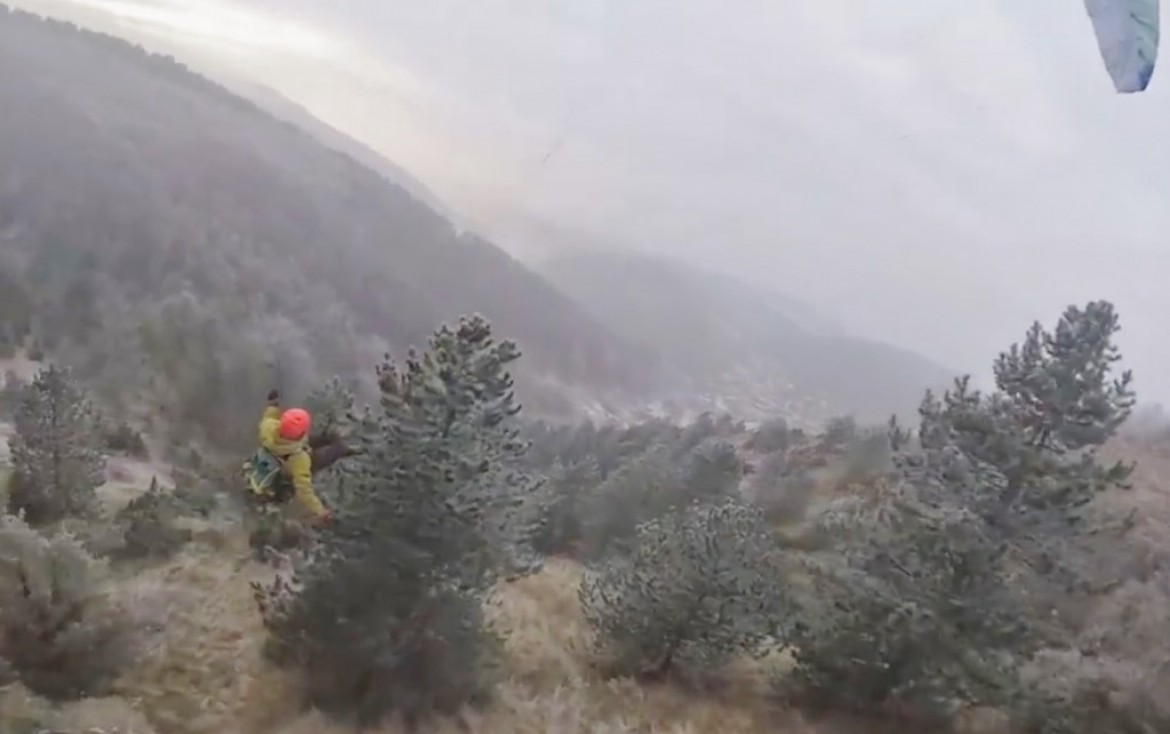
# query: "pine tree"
(921, 604)
(56, 450)
(436, 507)
(568, 481)
(670, 473)
(772, 436)
(637, 490)
(913, 610)
(150, 527)
(713, 471)
(330, 405)
(60, 632)
(1057, 403)
(699, 587)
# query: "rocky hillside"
(741, 347)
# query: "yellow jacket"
(294, 456)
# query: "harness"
(263, 472)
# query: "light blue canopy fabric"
(1127, 34)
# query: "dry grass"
(1146, 504)
(202, 671)
(205, 674)
(197, 673)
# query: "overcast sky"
(938, 173)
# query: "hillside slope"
(758, 352)
(283, 108)
(133, 191)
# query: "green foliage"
(698, 588)
(122, 438)
(845, 457)
(867, 456)
(5, 485)
(1086, 693)
(704, 429)
(772, 436)
(919, 604)
(913, 607)
(151, 531)
(612, 446)
(436, 507)
(1114, 674)
(11, 394)
(273, 532)
(199, 495)
(59, 633)
(781, 494)
(713, 469)
(56, 450)
(899, 437)
(642, 489)
(562, 532)
(16, 313)
(210, 364)
(839, 432)
(1057, 401)
(659, 480)
(331, 405)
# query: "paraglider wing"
(1127, 34)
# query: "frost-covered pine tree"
(330, 405)
(61, 633)
(713, 471)
(912, 610)
(1058, 401)
(57, 459)
(936, 593)
(700, 586)
(388, 617)
(667, 475)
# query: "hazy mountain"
(742, 345)
(285, 109)
(139, 198)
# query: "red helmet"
(294, 424)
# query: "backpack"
(262, 474)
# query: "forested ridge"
(139, 194)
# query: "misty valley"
(285, 448)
